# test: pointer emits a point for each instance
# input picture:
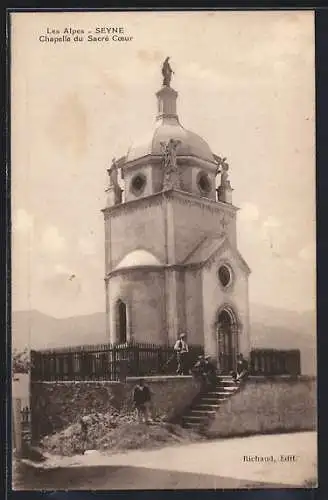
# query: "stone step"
(228, 386)
(218, 393)
(193, 418)
(195, 412)
(211, 401)
(206, 406)
(215, 394)
(188, 425)
(208, 402)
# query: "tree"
(20, 361)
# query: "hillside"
(270, 327)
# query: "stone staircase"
(206, 404)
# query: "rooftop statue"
(112, 172)
(167, 72)
(224, 175)
(171, 171)
(114, 186)
(221, 165)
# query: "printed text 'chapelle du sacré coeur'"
(69, 34)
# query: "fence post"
(115, 374)
(17, 406)
(33, 358)
(26, 430)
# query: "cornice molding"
(164, 268)
(226, 245)
(181, 159)
(149, 268)
(141, 203)
(183, 197)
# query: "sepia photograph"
(163, 288)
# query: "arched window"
(121, 322)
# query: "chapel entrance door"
(227, 341)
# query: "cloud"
(68, 125)
(271, 221)
(150, 56)
(249, 212)
(60, 269)
(290, 263)
(308, 253)
(87, 246)
(51, 241)
(60, 288)
(23, 222)
(289, 36)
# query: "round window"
(204, 183)
(224, 275)
(138, 184)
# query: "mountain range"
(270, 327)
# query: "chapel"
(172, 263)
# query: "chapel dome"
(191, 144)
(169, 127)
(138, 258)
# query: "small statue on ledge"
(171, 171)
(167, 72)
(220, 162)
(224, 190)
(224, 175)
(113, 173)
(114, 186)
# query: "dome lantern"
(143, 168)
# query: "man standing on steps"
(205, 369)
(210, 370)
(181, 349)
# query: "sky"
(246, 85)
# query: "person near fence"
(198, 370)
(205, 369)
(142, 401)
(210, 370)
(242, 369)
(181, 349)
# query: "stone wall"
(137, 226)
(143, 292)
(263, 405)
(56, 405)
(194, 218)
(234, 296)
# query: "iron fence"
(275, 362)
(106, 361)
(117, 361)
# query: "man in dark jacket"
(242, 368)
(210, 370)
(199, 369)
(205, 369)
(142, 399)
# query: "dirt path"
(214, 464)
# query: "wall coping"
(148, 378)
(63, 382)
(262, 378)
(159, 378)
